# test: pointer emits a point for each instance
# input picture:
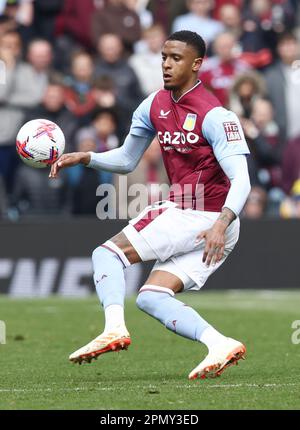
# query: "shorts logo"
(232, 132)
(190, 122)
(102, 277)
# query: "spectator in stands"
(165, 11)
(258, 22)
(73, 31)
(219, 4)
(262, 135)
(40, 58)
(105, 92)
(147, 64)
(53, 108)
(198, 19)
(35, 194)
(263, 117)
(112, 63)
(79, 94)
(84, 182)
(254, 49)
(291, 164)
(44, 16)
(117, 18)
(74, 23)
(98, 137)
(283, 86)
(107, 97)
(40, 55)
(17, 15)
(32, 18)
(101, 131)
(140, 7)
(290, 206)
(272, 17)
(245, 89)
(230, 15)
(17, 94)
(220, 70)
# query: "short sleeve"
(141, 123)
(223, 131)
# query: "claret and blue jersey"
(195, 133)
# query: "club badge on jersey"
(190, 122)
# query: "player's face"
(179, 64)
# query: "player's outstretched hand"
(69, 160)
(214, 244)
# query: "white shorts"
(167, 234)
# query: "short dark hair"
(286, 36)
(190, 38)
(98, 111)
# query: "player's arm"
(231, 155)
(120, 160)
(236, 169)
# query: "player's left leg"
(157, 298)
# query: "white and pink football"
(40, 143)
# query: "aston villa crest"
(190, 122)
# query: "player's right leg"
(109, 262)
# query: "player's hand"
(214, 244)
(69, 160)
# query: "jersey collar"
(188, 91)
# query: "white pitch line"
(50, 390)
(196, 386)
(239, 385)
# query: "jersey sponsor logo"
(164, 115)
(190, 122)
(232, 132)
(177, 138)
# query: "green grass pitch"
(152, 374)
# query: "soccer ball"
(40, 143)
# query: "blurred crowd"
(86, 65)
